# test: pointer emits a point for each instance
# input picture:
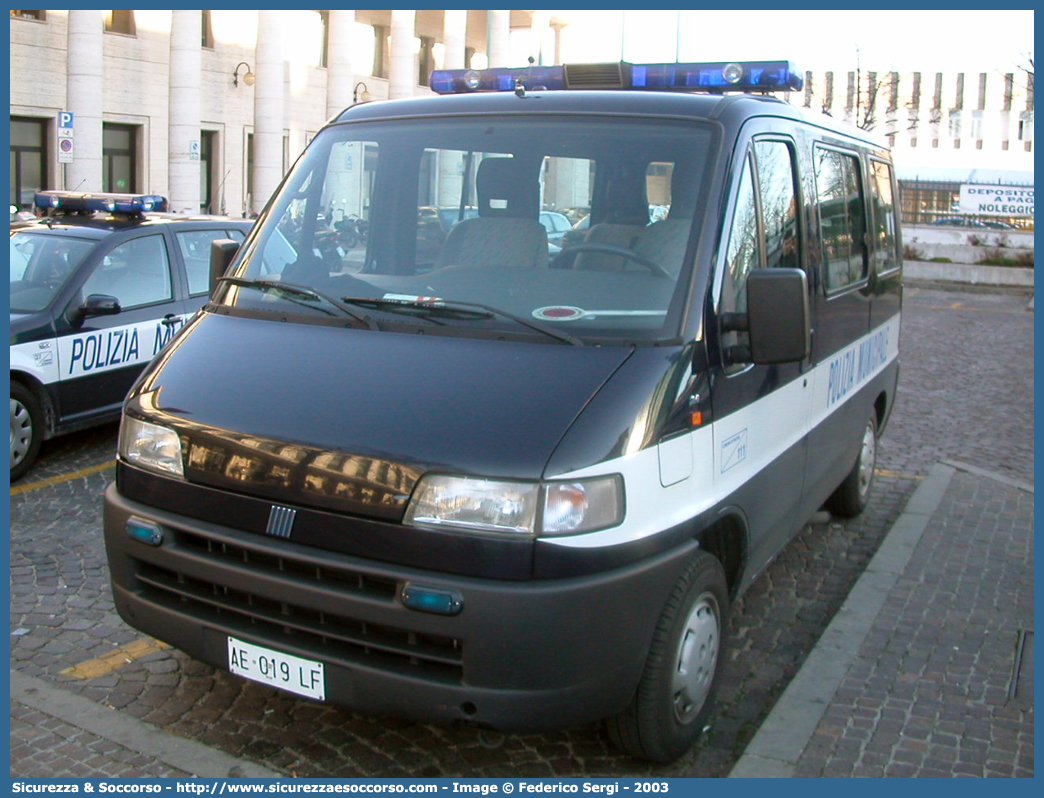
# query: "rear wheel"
(26, 429)
(677, 687)
(851, 496)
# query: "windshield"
(444, 212)
(40, 266)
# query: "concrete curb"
(131, 733)
(786, 732)
(969, 274)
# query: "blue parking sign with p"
(65, 119)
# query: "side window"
(884, 239)
(841, 220)
(775, 165)
(741, 257)
(768, 238)
(136, 272)
(195, 250)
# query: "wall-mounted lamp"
(364, 97)
(248, 78)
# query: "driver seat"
(627, 217)
(664, 242)
(506, 233)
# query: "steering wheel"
(566, 256)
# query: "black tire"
(26, 429)
(853, 494)
(677, 687)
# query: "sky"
(881, 40)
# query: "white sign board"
(997, 200)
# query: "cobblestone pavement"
(46, 747)
(966, 392)
(943, 683)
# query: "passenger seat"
(507, 232)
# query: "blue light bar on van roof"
(744, 76)
(464, 81)
(110, 203)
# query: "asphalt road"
(966, 393)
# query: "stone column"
(186, 72)
(402, 72)
(269, 90)
(500, 39)
(454, 37)
(84, 99)
(340, 73)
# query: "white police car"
(98, 287)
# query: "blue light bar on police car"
(111, 203)
(749, 76)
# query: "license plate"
(285, 671)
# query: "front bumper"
(521, 656)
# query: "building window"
(324, 47)
(28, 161)
(207, 31)
(250, 170)
(207, 166)
(119, 158)
(38, 15)
(380, 51)
(425, 60)
(120, 22)
(1026, 126)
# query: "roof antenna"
(520, 86)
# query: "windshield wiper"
(434, 307)
(301, 291)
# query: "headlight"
(517, 508)
(481, 505)
(150, 446)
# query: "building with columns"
(209, 108)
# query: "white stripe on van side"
(734, 449)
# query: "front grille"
(341, 579)
(271, 619)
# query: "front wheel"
(677, 687)
(852, 496)
(26, 429)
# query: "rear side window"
(842, 223)
(885, 254)
(195, 250)
(136, 272)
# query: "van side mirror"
(222, 251)
(778, 319)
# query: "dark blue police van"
(99, 285)
(489, 482)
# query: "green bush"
(997, 257)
